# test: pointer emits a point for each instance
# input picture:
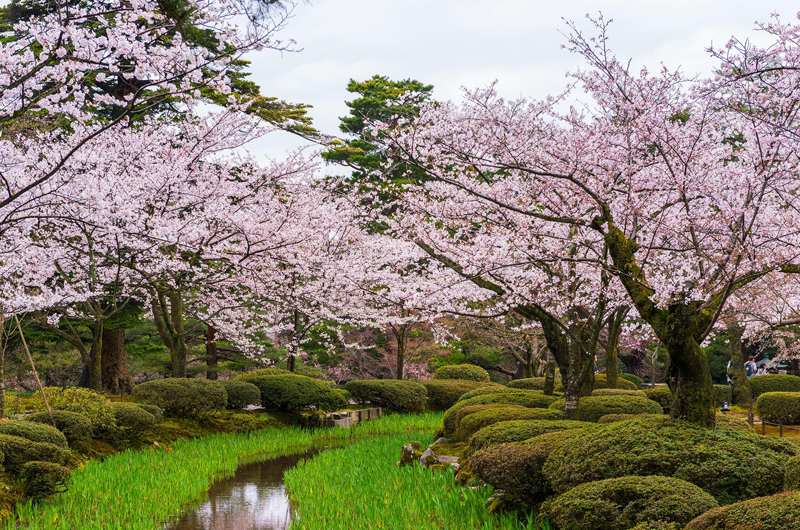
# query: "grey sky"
(455, 43)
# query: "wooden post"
(121, 395)
(35, 373)
(763, 427)
(780, 430)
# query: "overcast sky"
(469, 43)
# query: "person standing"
(750, 367)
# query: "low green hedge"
(34, 431)
(635, 379)
(791, 478)
(722, 393)
(261, 372)
(524, 398)
(477, 421)
(661, 395)
(600, 381)
(463, 412)
(517, 431)
(290, 392)
(616, 418)
(621, 503)
(761, 384)
(391, 394)
(468, 372)
(724, 421)
(530, 383)
(182, 397)
(490, 388)
(730, 465)
(75, 427)
(18, 451)
(152, 409)
(593, 408)
(83, 401)
(444, 393)
(42, 479)
(777, 512)
(779, 407)
(617, 392)
(241, 394)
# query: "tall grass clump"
(361, 487)
(141, 490)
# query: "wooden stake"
(35, 373)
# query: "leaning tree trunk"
(114, 362)
(211, 353)
(740, 386)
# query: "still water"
(254, 498)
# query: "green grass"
(361, 487)
(140, 490)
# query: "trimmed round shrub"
(661, 395)
(791, 478)
(615, 418)
(730, 465)
(761, 384)
(530, 383)
(472, 409)
(242, 422)
(293, 392)
(657, 525)
(43, 479)
(74, 426)
(635, 379)
(345, 394)
(722, 393)
(600, 381)
(262, 372)
(473, 423)
(152, 409)
(524, 398)
(489, 388)
(182, 397)
(241, 394)
(617, 392)
(779, 407)
(516, 469)
(733, 423)
(468, 372)
(132, 421)
(620, 503)
(392, 394)
(80, 400)
(593, 408)
(19, 451)
(777, 512)
(33, 431)
(443, 393)
(517, 431)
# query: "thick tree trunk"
(740, 386)
(92, 373)
(401, 353)
(178, 351)
(578, 381)
(211, 353)
(290, 363)
(114, 362)
(694, 390)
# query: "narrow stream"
(254, 498)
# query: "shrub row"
(476, 421)
(489, 389)
(241, 393)
(75, 427)
(593, 408)
(761, 384)
(600, 381)
(468, 372)
(531, 383)
(776, 512)
(288, 392)
(444, 393)
(182, 397)
(18, 451)
(661, 395)
(729, 465)
(635, 379)
(36, 432)
(524, 398)
(779, 407)
(517, 431)
(82, 401)
(392, 394)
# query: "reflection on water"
(254, 498)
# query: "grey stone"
(441, 440)
(428, 458)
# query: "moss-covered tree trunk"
(114, 362)
(549, 375)
(211, 353)
(178, 352)
(740, 386)
(694, 389)
(95, 367)
(612, 345)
